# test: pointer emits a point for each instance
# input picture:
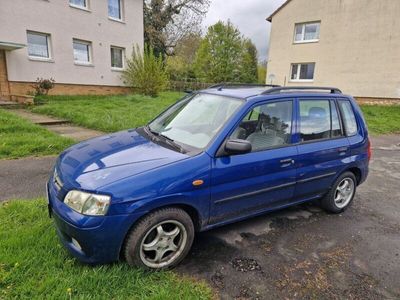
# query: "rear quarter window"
(349, 119)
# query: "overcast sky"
(247, 15)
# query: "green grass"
(19, 138)
(33, 265)
(382, 119)
(106, 113)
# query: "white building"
(82, 44)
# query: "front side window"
(38, 45)
(307, 32)
(115, 9)
(117, 58)
(349, 119)
(267, 126)
(78, 3)
(302, 72)
(82, 51)
(196, 120)
(319, 120)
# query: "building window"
(38, 45)
(117, 58)
(307, 32)
(82, 52)
(115, 9)
(302, 72)
(79, 3)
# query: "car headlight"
(88, 204)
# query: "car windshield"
(195, 120)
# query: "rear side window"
(319, 120)
(349, 119)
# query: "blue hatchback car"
(217, 156)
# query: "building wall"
(64, 23)
(358, 50)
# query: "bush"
(146, 72)
(43, 86)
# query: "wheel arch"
(357, 173)
(193, 213)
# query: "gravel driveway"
(305, 253)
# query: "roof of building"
(278, 10)
(10, 46)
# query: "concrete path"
(59, 126)
(24, 178)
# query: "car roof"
(251, 92)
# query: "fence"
(189, 84)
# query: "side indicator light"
(197, 182)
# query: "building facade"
(81, 44)
(350, 44)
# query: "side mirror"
(237, 146)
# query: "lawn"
(106, 113)
(33, 265)
(382, 119)
(19, 138)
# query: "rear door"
(323, 148)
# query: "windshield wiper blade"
(166, 139)
(172, 143)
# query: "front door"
(247, 184)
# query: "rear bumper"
(92, 240)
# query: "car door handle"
(343, 149)
(287, 162)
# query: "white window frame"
(49, 48)
(86, 7)
(123, 58)
(299, 72)
(303, 32)
(90, 52)
(121, 7)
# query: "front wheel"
(341, 195)
(161, 240)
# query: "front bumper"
(92, 240)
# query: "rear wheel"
(341, 195)
(161, 240)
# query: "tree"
(249, 72)
(146, 72)
(262, 72)
(226, 56)
(166, 22)
(180, 64)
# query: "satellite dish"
(271, 78)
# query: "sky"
(249, 16)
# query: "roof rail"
(276, 90)
(220, 86)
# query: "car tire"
(341, 195)
(160, 240)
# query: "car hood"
(95, 163)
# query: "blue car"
(217, 156)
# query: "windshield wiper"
(172, 143)
(166, 139)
